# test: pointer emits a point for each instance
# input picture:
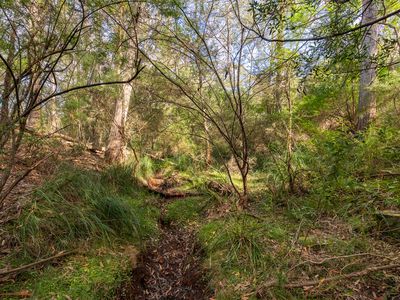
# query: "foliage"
(77, 205)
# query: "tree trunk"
(244, 196)
(115, 151)
(54, 119)
(208, 144)
(4, 113)
(367, 101)
(33, 121)
(278, 53)
(289, 158)
(116, 141)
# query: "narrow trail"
(169, 269)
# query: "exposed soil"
(170, 269)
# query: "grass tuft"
(80, 205)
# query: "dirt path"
(170, 269)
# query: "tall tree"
(367, 100)
(7, 83)
(117, 141)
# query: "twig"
(274, 283)
(39, 262)
(257, 217)
(296, 237)
(326, 259)
(21, 294)
(4, 194)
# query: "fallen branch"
(168, 193)
(275, 283)
(220, 188)
(337, 257)
(39, 262)
(66, 139)
(21, 294)
(9, 189)
(381, 174)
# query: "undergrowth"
(85, 211)
(94, 275)
(80, 205)
(184, 211)
(343, 181)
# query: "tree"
(226, 76)
(115, 151)
(38, 69)
(366, 109)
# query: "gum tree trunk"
(115, 151)
(4, 112)
(366, 110)
(116, 141)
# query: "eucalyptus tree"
(367, 101)
(127, 57)
(331, 33)
(37, 65)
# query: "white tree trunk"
(116, 148)
(367, 102)
(116, 143)
(34, 118)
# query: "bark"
(208, 144)
(278, 86)
(54, 122)
(199, 8)
(115, 151)
(244, 196)
(33, 121)
(367, 102)
(4, 113)
(289, 158)
(116, 142)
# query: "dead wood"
(275, 283)
(167, 193)
(36, 263)
(321, 262)
(379, 175)
(66, 139)
(220, 188)
(20, 294)
(7, 191)
(384, 174)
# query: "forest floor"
(198, 247)
(171, 268)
